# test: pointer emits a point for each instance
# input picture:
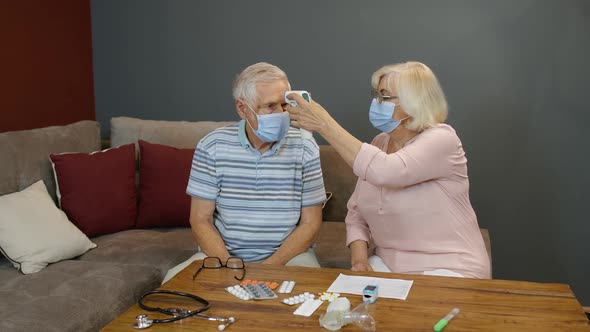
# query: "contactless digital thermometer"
(302, 93)
(307, 96)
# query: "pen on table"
(440, 325)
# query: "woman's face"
(388, 92)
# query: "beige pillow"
(34, 232)
(178, 134)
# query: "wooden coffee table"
(486, 305)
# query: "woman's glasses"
(380, 97)
(234, 263)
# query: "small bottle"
(335, 319)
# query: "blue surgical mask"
(271, 127)
(381, 116)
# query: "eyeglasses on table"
(234, 263)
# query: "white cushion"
(34, 232)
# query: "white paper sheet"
(389, 288)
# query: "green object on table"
(440, 325)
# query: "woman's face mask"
(271, 127)
(381, 116)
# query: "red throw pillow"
(97, 190)
(163, 177)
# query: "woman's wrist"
(359, 253)
(329, 130)
(359, 261)
(326, 125)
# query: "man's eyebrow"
(271, 102)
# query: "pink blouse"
(414, 204)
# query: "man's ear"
(241, 108)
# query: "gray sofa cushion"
(180, 134)
(71, 295)
(160, 248)
(25, 154)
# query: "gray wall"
(515, 74)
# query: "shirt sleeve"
(313, 191)
(203, 181)
(356, 226)
(432, 155)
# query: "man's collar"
(242, 137)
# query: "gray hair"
(244, 86)
(418, 90)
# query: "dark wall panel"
(46, 63)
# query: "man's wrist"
(272, 260)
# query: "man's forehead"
(272, 85)
(271, 91)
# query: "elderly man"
(257, 185)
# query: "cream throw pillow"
(34, 232)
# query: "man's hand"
(269, 261)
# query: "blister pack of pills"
(308, 307)
(286, 286)
(260, 291)
(298, 298)
(270, 284)
(239, 292)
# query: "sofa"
(85, 292)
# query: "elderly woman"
(412, 194)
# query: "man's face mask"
(271, 127)
(381, 116)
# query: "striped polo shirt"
(258, 197)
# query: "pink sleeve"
(431, 156)
(356, 227)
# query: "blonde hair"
(419, 92)
(244, 85)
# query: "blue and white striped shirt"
(258, 197)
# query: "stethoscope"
(143, 322)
